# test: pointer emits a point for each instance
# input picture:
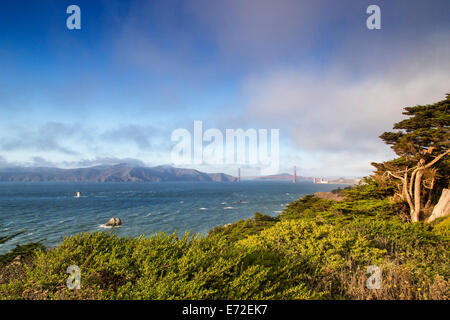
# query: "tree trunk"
(442, 208)
(412, 191)
(405, 192)
(415, 215)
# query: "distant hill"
(110, 173)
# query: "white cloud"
(339, 118)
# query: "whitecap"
(104, 226)
(228, 208)
(202, 208)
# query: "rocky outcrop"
(114, 222)
(329, 196)
(442, 208)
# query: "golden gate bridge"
(292, 177)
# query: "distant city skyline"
(115, 90)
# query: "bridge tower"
(239, 174)
(294, 177)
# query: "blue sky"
(116, 89)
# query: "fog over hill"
(110, 173)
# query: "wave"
(104, 226)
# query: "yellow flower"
(418, 289)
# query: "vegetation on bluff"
(316, 249)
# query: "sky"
(115, 90)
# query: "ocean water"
(49, 211)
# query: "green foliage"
(24, 251)
(243, 228)
(363, 206)
(306, 207)
(339, 191)
(442, 226)
(370, 189)
(426, 126)
(313, 247)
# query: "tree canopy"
(427, 126)
(422, 143)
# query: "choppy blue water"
(49, 211)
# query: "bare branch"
(439, 157)
(395, 176)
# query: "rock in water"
(114, 222)
(110, 222)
